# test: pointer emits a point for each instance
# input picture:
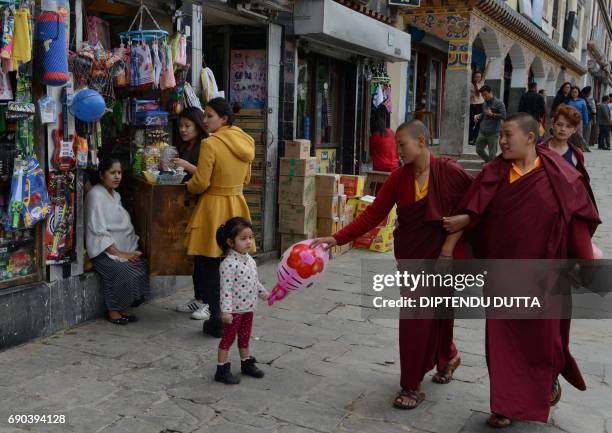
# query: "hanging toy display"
(51, 33)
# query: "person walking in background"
(490, 122)
(587, 95)
(542, 93)
(383, 148)
(476, 100)
(532, 102)
(563, 95)
(604, 122)
(579, 104)
(223, 168)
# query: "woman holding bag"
(224, 167)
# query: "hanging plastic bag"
(191, 99)
(181, 52)
(36, 205)
(209, 85)
(167, 80)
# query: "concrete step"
(470, 164)
(470, 156)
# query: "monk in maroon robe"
(528, 205)
(426, 189)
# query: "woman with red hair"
(565, 123)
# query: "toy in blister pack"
(16, 202)
(59, 236)
(35, 197)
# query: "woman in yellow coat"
(224, 167)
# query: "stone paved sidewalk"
(327, 369)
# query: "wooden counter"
(160, 214)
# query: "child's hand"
(227, 318)
(264, 295)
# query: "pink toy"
(300, 267)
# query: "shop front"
(117, 91)
(341, 71)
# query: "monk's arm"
(580, 246)
(448, 248)
(373, 215)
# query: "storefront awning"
(332, 24)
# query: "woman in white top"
(112, 246)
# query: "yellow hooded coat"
(224, 167)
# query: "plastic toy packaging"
(16, 201)
(36, 205)
(151, 158)
(48, 109)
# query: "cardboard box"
(378, 239)
(289, 239)
(327, 184)
(298, 167)
(340, 188)
(327, 206)
(296, 190)
(297, 149)
(327, 226)
(327, 160)
(341, 206)
(351, 208)
(366, 201)
(297, 219)
(353, 185)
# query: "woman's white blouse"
(107, 223)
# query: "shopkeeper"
(191, 134)
(223, 168)
(112, 245)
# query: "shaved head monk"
(528, 205)
(425, 189)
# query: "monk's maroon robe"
(424, 343)
(545, 214)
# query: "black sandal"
(120, 321)
(556, 393)
(130, 318)
(416, 396)
(446, 375)
(499, 421)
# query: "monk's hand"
(327, 242)
(455, 223)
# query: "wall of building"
(38, 310)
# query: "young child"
(239, 289)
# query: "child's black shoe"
(224, 374)
(250, 369)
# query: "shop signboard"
(248, 79)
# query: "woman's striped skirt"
(125, 284)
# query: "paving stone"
(308, 415)
(572, 418)
(477, 424)
(355, 424)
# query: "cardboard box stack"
(297, 207)
(381, 237)
(254, 124)
(331, 202)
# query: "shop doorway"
(326, 110)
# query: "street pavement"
(327, 368)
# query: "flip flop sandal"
(445, 376)
(498, 421)
(416, 396)
(120, 321)
(556, 393)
